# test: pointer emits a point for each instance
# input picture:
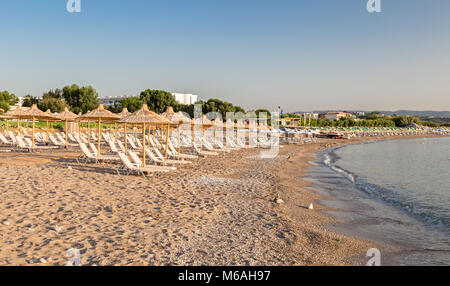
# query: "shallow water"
(395, 191)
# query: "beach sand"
(219, 211)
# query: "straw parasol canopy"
(16, 112)
(202, 121)
(66, 116)
(98, 114)
(6, 118)
(218, 123)
(124, 113)
(145, 116)
(51, 117)
(34, 113)
(176, 118)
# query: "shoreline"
(219, 211)
(338, 206)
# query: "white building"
(185, 98)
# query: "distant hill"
(426, 113)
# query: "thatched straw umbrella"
(16, 114)
(144, 116)
(204, 123)
(218, 123)
(51, 117)
(176, 119)
(122, 115)
(66, 116)
(6, 117)
(34, 113)
(98, 114)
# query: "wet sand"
(218, 211)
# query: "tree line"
(82, 99)
(384, 121)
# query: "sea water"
(395, 192)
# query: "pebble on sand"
(311, 207)
(5, 222)
(57, 228)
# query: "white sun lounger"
(129, 167)
(138, 162)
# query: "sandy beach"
(218, 211)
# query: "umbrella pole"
(215, 139)
(193, 134)
(7, 125)
(148, 141)
(143, 145)
(89, 131)
(179, 143)
(167, 140)
(48, 131)
(32, 124)
(126, 145)
(66, 133)
(201, 139)
(99, 136)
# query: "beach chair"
(172, 152)
(87, 156)
(203, 153)
(55, 142)
(138, 162)
(121, 146)
(132, 144)
(169, 161)
(221, 148)
(12, 137)
(154, 142)
(160, 160)
(37, 147)
(210, 148)
(21, 145)
(128, 167)
(113, 146)
(71, 138)
(138, 143)
(4, 141)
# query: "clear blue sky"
(301, 54)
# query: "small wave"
(388, 196)
(328, 161)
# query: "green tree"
(4, 105)
(80, 99)
(52, 102)
(402, 121)
(7, 99)
(29, 100)
(217, 105)
(158, 100)
(131, 103)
